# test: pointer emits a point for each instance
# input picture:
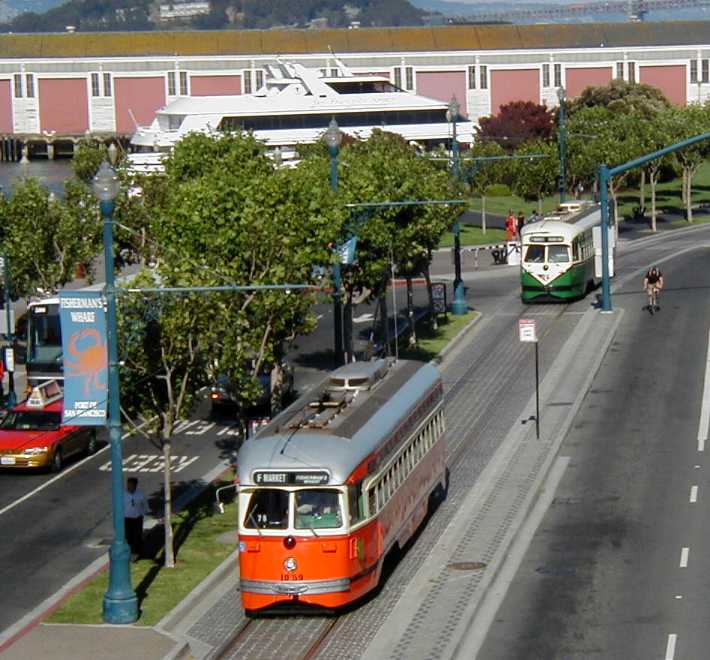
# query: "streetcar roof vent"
(357, 376)
(340, 390)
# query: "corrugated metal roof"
(272, 42)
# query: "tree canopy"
(517, 122)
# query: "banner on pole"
(346, 251)
(83, 324)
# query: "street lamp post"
(333, 138)
(459, 305)
(120, 603)
(562, 136)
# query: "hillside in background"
(111, 15)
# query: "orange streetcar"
(335, 482)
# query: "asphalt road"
(620, 566)
(56, 525)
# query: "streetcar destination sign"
(291, 478)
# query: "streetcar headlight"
(290, 564)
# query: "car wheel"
(57, 460)
(92, 445)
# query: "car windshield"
(31, 420)
(318, 508)
(535, 254)
(268, 509)
(557, 254)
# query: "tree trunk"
(483, 214)
(539, 204)
(432, 314)
(277, 382)
(642, 192)
(410, 313)
(684, 188)
(688, 195)
(168, 513)
(652, 180)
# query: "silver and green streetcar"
(561, 255)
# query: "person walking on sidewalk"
(511, 226)
(135, 507)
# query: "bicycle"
(653, 291)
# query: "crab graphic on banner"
(83, 323)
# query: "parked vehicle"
(224, 392)
(32, 434)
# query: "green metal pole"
(11, 396)
(604, 203)
(120, 603)
(337, 281)
(459, 306)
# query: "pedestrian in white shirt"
(135, 507)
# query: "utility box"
(513, 248)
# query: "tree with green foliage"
(683, 123)
(621, 97)
(385, 168)
(46, 239)
(534, 178)
(480, 173)
(226, 216)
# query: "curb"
(170, 623)
(33, 618)
(457, 338)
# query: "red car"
(32, 435)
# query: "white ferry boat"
(295, 106)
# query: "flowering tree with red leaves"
(516, 123)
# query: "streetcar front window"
(318, 508)
(535, 254)
(557, 254)
(267, 509)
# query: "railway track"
(304, 638)
(248, 641)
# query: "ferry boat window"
(174, 122)
(268, 509)
(318, 508)
(535, 254)
(362, 87)
(557, 254)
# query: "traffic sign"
(527, 330)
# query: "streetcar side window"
(267, 509)
(356, 504)
(575, 248)
(535, 254)
(557, 254)
(317, 508)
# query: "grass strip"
(473, 236)
(431, 342)
(199, 548)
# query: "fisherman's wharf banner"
(83, 323)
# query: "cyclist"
(652, 284)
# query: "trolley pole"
(537, 391)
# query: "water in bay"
(51, 174)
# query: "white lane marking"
(364, 318)
(684, 557)
(63, 473)
(201, 430)
(693, 494)
(670, 647)
(704, 425)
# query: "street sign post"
(527, 330)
